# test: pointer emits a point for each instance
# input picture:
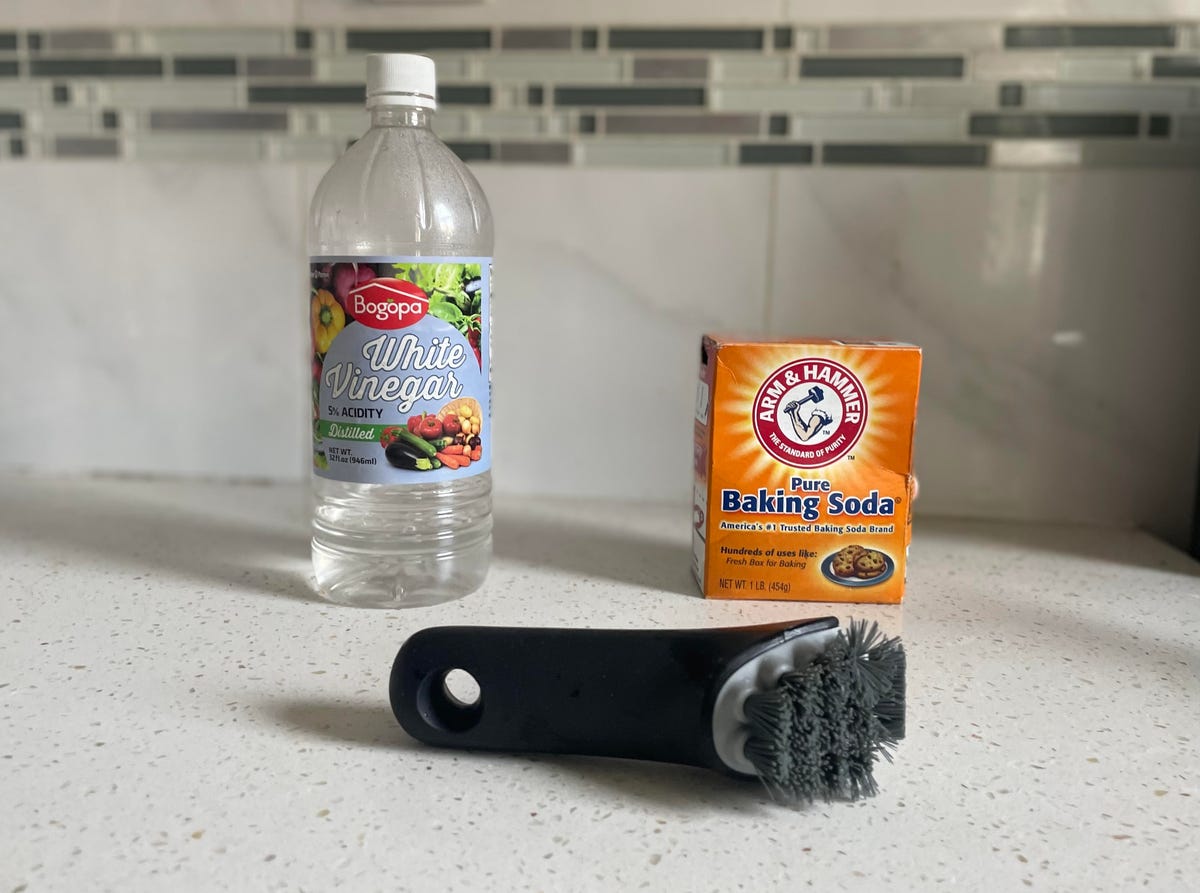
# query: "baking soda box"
(803, 460)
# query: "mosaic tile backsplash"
(943, 95)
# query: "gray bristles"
(818, 733)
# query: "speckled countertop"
(177, 712)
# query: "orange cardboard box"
(803, 461)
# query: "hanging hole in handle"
(451, 700)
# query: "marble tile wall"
(153, 323)
(1058, 315)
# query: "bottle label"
(401, 368)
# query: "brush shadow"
(660, 785)
(363, 724)
(258, 542)
(557, 539)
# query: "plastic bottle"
(400, 243)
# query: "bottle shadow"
(561, 537)
(256, 537)
(258, 542)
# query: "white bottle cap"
(401, 79)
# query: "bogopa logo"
(388, 304)
(810, 412)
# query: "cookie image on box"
(843, 565)
(856, 565)
(870, 564)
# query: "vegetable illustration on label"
(455, 293)
(328, 319)
(401, 377)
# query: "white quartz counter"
(178, 712)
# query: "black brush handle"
(641, 694)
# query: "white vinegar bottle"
(400, 244)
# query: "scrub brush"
(806, 707)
